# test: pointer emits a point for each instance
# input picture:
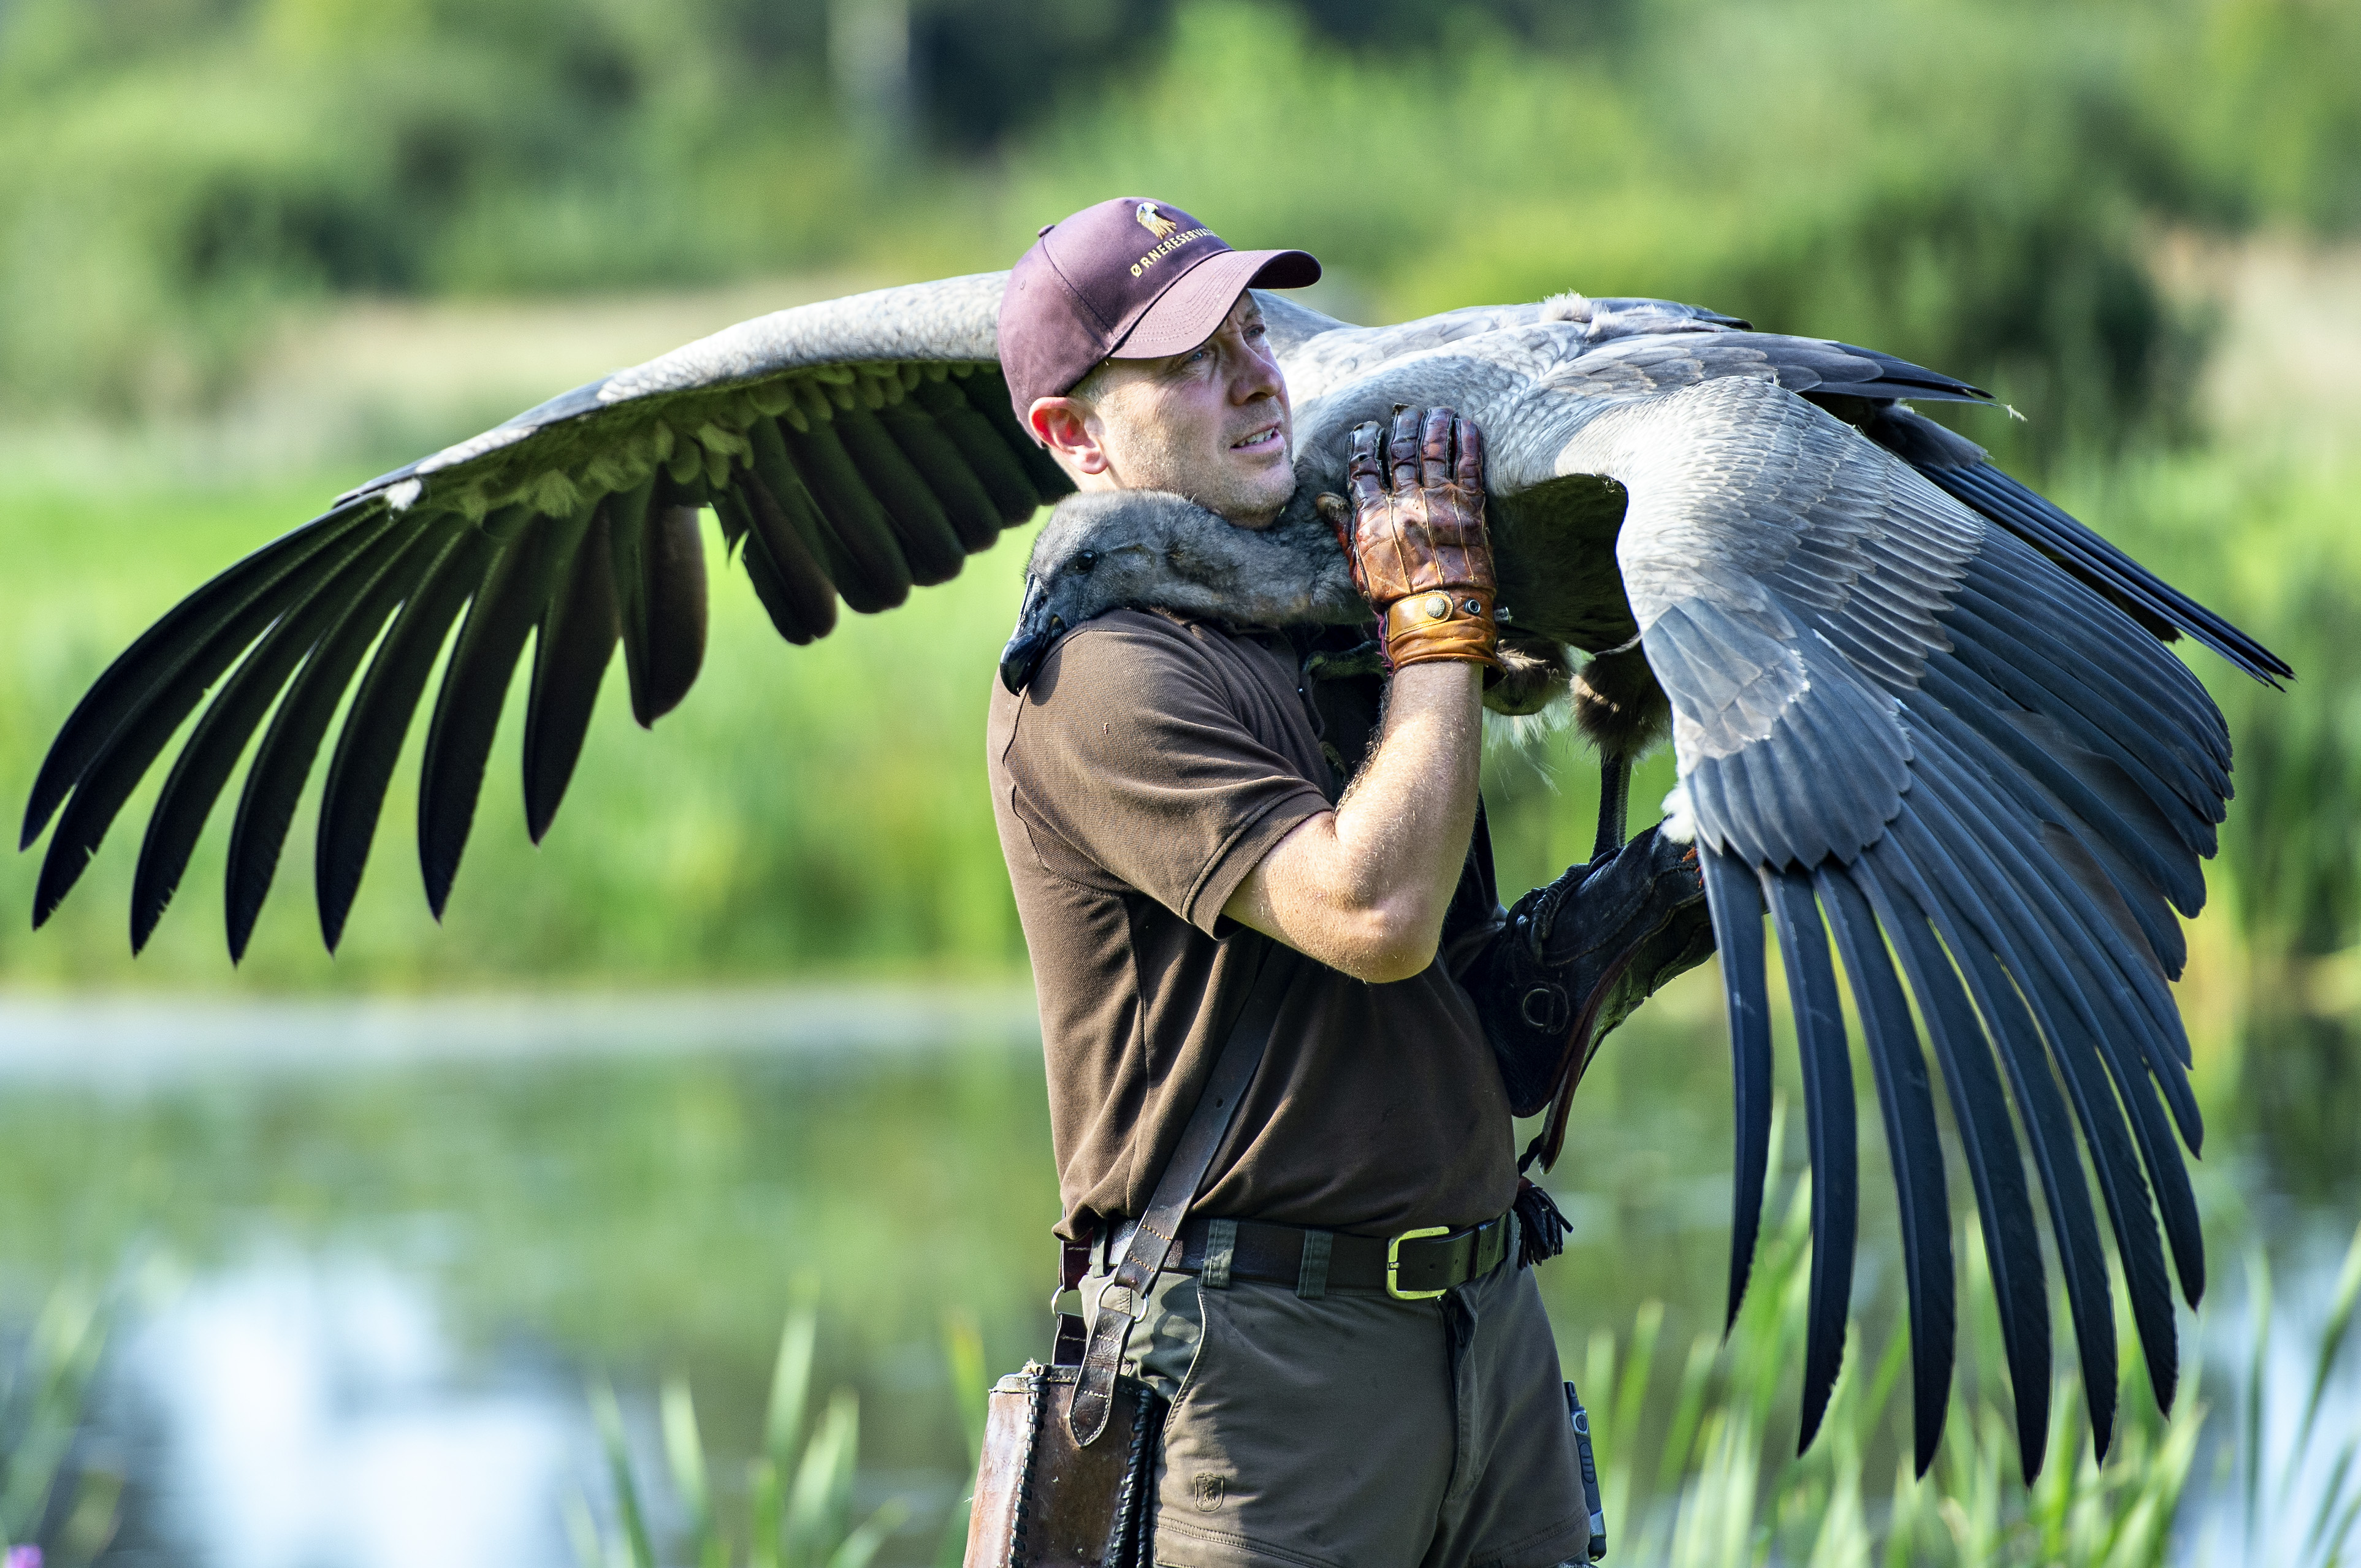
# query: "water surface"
(365, 1253)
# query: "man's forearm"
(1364, 888)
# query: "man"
(1162, 782)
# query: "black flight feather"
(370, 741)
(999, 470)
(792, 499)
(2101, 636)
(1995, 1168)
(275, 574)
(2068, 925)
(928, 542)
(211, 753)
(571, 650)
(987, 392)
(1958, 692)
(2049, 1128)
(2205, 778)
(2092, 557)
(665, 611)
(876, 575)
(2147, 936)
(969, 507)
(274, 780)
(770, 588)
(2070, 1022)
(2006, 927)
(806, 596)
(632, 517)
(474, 689)
(2129, 991)
(2129, 900)
(1828, 1124)
(2194, 834)
(2050, 790)
(1913, 1147)
(2172, 779)
(1735, 904)
(170, 681)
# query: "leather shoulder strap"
(1151, 1242)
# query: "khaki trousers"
(1355, 1431)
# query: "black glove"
(1577, 957)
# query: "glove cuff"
(1444, 623)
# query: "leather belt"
(1413, 1265)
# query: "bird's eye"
(1086, 560)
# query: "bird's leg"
(1620, 709)
(1614, 797)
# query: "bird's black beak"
(1037, 629)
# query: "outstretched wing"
(1902, 727)
(1959, 465)
(852, 449)
(1514, 367)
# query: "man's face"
(1211, 425)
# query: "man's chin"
(1256, 501)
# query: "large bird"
(1916, 707)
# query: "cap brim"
(1186, 313)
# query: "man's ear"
(1068, 427)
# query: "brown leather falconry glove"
(1418, 545)
(1576, 957)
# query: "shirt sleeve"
(1129, 754)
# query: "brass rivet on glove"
(1438, 608)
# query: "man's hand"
(1414, 534)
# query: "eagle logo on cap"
(1154, 221)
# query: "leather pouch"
(1068, 1474)
(1043, 1501)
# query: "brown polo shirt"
(1149, 765)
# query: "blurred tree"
(1967, 184)
(1565, 26)
(987, 68)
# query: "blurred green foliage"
(1970, 185)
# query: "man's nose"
(1257, 373)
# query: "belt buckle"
(1393, 1264)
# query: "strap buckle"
(1393, 1264)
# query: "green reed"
(1706, 1480)
(798, 1498)
(48, 1498)
(1694, 1463)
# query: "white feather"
(1680, 822)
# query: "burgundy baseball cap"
(1128, 279)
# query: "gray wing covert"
(1901, 727)
(851, 449)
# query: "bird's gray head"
(1105, 550)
